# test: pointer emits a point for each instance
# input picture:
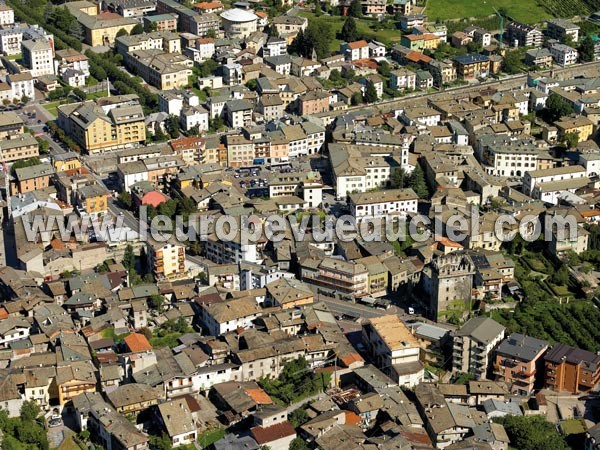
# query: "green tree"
(298, 417)
(355, 9)
(512, 62)
(561, 276)
(371, 93)
(298, 444)
(33, 161)
(156, 302)
(557, 107)
(161, 442)
(172, 125)
(79, 93)
(137, 29)
(586, 49)
(129, 259)
(571, 140)
(417, 182)
(318, 10)
(125, 199)
(318, 36)
(43, 143)
(30, 411)
(356, 99)
(349, 31)
(150, 26)
(532, 433)
(76, 30)
(122, 32)
(207, 68)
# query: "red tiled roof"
(259, 396)
(154, 198)
(208, 5)
(351, 418)
(357, 44)
(265, 435)
(3, 313)
(137, 342)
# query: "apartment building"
(519, 361)
(32, 178)
(353, 51)
(72, 66)
(166, 41)
(222, 317)
(390, 203)
(238, 113)
(104, 124)
(19, 146)
(347, 279)
(287, 25)
(571, 369)
(7, 15)
(524, 35)
(162, 70)
(472, 65)
(38, 57)
(502, 155)
(167, 260)
(240, 151)
(420, 42)
(473, 345)
(394, 349)
(564, 55)
(402, 79)
(560, 29)
(161, 22)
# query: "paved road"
(354, 309)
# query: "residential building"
(571, 369)
(102, 29)
(524, 35)
(19, 146)
(420, 42)
(162, 22)
(539, 57)
(222, 317)
(519, 361)
(388, 204)
(104, 124)
(162, 70)
(535, 177)
(581, 125)
(178, 422)
(166, 260)
(394, 349)
(473, 346)
(472, 65)
(564, 55)
(403, 79)
(560, 29)
(353, 51)
(7, 15)
(288, 25)
(38, 57)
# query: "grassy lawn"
(573, 426)
(13, 57)
(211, 436)
(336, 23)
(527, 11)
(51, 107)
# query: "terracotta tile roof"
(265, 435)
(351, 358)
(137, 343)
(3, 313)
(259, 396)
(358, 44)
(351, 418)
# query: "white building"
(178, 422)
(172, 102)
(7, 15)
(193, 116)
(353, 51)
(392, 203)
(394, 349)
(534, 177)
(38, 56)
(564, 55)
(222, 317)
(13, 329)
(239, 23)
(21, 84)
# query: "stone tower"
(451, 285)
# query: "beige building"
(159, 69)
(20, 146)
(167, 260)
(104, 124)
(102, 29)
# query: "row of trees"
(102, 66)
(60, 134)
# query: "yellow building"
(93, 199)
(167, 260)
(96, 131)
(378, 275)
(419, 42)
(73, 379)
(102, 29)
(133, 398)
(66, 161)
(581, 125)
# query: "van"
(411, 310)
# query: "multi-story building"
(581, 126)
(353, 51)
(519, 361)
(7, 15)
(535, 177)
(571, 369)
(288, 25)
(167, 260)
(560, 28)
(451, 285)
(72, 65)
(104, 124)
(166, 41)
(240, 151)
(472, 65)
(390, 203)
(374, 7)
(473, 345)
(420, 42)
(10, 124)
(38, 55)
(394, 349)
(347, 279)
(32, 178)
(564, 55)
(161, 22)
(102, 29)
(239, 113)
(131, 8)
(162, 70)
(524, 35)
(403, 79)
(19, 146)
(504, 156)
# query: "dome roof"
(239, 15)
